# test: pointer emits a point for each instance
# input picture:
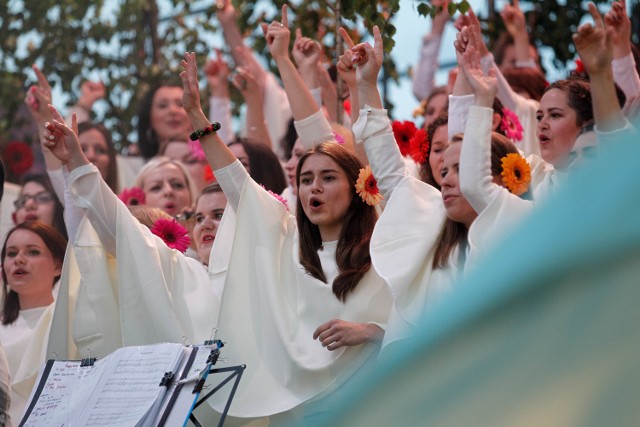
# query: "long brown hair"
(53, 240)
(454, 234)
(112, 170)
(352, 255)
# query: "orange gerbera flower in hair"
(516, 173)
(367, 187)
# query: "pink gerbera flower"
(172, 233)
(278, 198)
(133, 196)
(511, 126)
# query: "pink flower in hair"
(511, 126)
(133, 196)
(172, 233)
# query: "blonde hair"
(159, 161)
(147, 215)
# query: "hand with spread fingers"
(485, 87)
(191, 93)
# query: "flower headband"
(367, 187)
(516, 173)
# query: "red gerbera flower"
(347, 106)
(419, 146)
(18, 157)
(209, 177)
(172, 233)
(133, 196)
(403, 132)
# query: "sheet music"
(52, 407)
(123, 397)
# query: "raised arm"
(475, 157)
(514, 21)
(373, 127)
(595, 46)
(217, 73)
(427, 64)
(625, 73)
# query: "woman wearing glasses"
(38, 202)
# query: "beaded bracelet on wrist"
(212, 128)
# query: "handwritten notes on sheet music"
(119, 390)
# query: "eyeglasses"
(39, 198)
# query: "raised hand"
(442, 17)
(368, 59)
(345, 67)
(216, 71)
(513, 19)
(191, 92)
(62, 141)
(485, 87)
(39, 97)
(594, 43)
(246, 83)
(278, 36)
(90, 92)
(306, 51)
(618, 21)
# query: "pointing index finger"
(346, 38)
(595, 14)
(377, 42)
(285, 18)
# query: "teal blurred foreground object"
(546, 331)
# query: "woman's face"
(165, 187)
(94, 146)
(240, 153)
(434, 108)
(557, 127)
(168, 118)
(325, 194)
(209, 212)
(438, 147)
(457, 207)
(292, 164)
(35, 204)
(29, 265)
(180, 150)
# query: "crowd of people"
(312, 243)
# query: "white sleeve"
(90, 193)
(458, 113)
(220, 111)
(316, 93)
(387, 164)
(277, 112)
(232, 179)
(626, 75)
(314, 130)
(73, 215)
(476, 182)
(426, 66)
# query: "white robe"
(25, 344)
(272, 307)
(147, 294)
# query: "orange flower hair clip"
(516, 173)
(367, 187)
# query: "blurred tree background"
(131, 44)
